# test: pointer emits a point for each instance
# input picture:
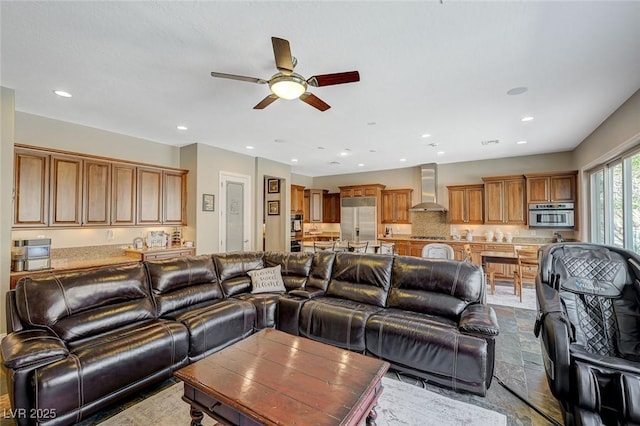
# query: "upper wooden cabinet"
(66, 191)
(331, 210)
(123, 194)
(31, 188)
(316, 204)
(297, 199)
(373, 190)
(395, 205)
(174, 184)
(504, 200)
(96, 199)
(551, 187)
(59, 189)
(466, 204)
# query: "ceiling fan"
(286, 84)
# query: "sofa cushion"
(321, 268)
(79, 304)
(363, 278)
(183, 282)
(267, 280)
(216, 325)
(295, 267)
(436, 287)
(232, 270)
(335, 321)
(266, 306)
(430, 345)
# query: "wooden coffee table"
(274, 378)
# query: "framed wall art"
(208, 202)
(273, 186)
(273, 207)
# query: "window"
(615, 202)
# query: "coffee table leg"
(371, 418)
(196, 416)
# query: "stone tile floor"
(518, 364)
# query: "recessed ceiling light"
(426, 135)
(181, 127)
(294, 160)
(527, 118)
(440, 152)
(62, 93)
(521, 142)
(360, 164)
(344, 154)
(249, 147)
(403, 159)
(517, 91)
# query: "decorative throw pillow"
(267, 280)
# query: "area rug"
(401, 404)
(504, 296)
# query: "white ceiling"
(141, 68)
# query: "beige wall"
(276, 227)
(7, 104)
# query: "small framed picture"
(208, 202)
(273, 186)
(273, 207)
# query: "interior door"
(235, 209)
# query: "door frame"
(247, 217)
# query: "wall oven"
(551, 216)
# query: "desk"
(504, 257)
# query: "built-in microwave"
(555, 216)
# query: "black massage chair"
(589, 328)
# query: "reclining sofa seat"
(232, 271)
(358, 288)
(589, 327)
(186, 290)
(85, 340)
(435, 326)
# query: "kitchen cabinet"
(395, 205)
(402, 246)
(551, 187)
(59, 189)
(373, 190)
(65, 196)
(31, 189)
(297, 199)
(123, 194)
(504, 200)
(331, 208)
(466, 204)
(96, 191)
(149, 202)
(316, 204)
(174, 186)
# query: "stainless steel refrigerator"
(358, 219)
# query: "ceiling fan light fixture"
(288, 86)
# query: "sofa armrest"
(31, 348)
(479, 319)
(307, 294)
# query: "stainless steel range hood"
(429, 179)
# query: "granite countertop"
(59, 265)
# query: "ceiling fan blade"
(238, 77)
(335, 78)
(314, 101)
(266, 102)
(282, 53)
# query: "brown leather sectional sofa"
(78, 341)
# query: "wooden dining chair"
(324, 245)
(357, 247)
(527, 259)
